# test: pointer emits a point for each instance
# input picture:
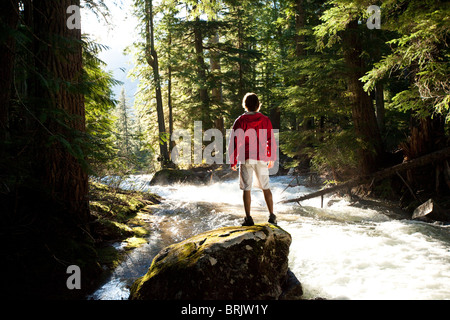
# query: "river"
(342, 251)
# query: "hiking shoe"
(248, 221)
(273, 219)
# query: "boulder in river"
(239, 263)
(430, 210)
(196, 175)
(168, 176)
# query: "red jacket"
(252, 138)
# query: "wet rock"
(169, 176)
(237, 263)
(430, 210)
(292, 288)
(197, 175)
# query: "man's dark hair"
(251, 102)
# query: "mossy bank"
(120, 216)
(41, 245)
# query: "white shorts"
(261, 171)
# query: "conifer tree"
(152, 59)
(124, 126)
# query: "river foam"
(338, 252)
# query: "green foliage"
(113, 135)
(420, 47)
(99, 104)
(117, 218)
(338, 154)
(297, 67)
(241, 29)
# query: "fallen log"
(379, 175)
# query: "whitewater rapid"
(342, 251)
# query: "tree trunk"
(123, 125)
(152, 59)
(242, 67)
(379, 101)
(426, 135)
(201, 75)
(216, 92)
(363, 113)
(169, 89)
(275, 117)
(58, 59)
(9, 16)
(45, 213)
(299, 24)
(300, 52)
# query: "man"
(252, 143)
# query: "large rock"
(430, 210)
(197, 175)
(169, 176)
(227, 263)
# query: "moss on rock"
(169, 175)
(227, 263)
(119, 216)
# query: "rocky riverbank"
(118, 216)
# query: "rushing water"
(338, 252)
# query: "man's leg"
(262, 176)
(247, 202)
(248, 221)
(269, 200)
(245, 181)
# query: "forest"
(353, 86)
